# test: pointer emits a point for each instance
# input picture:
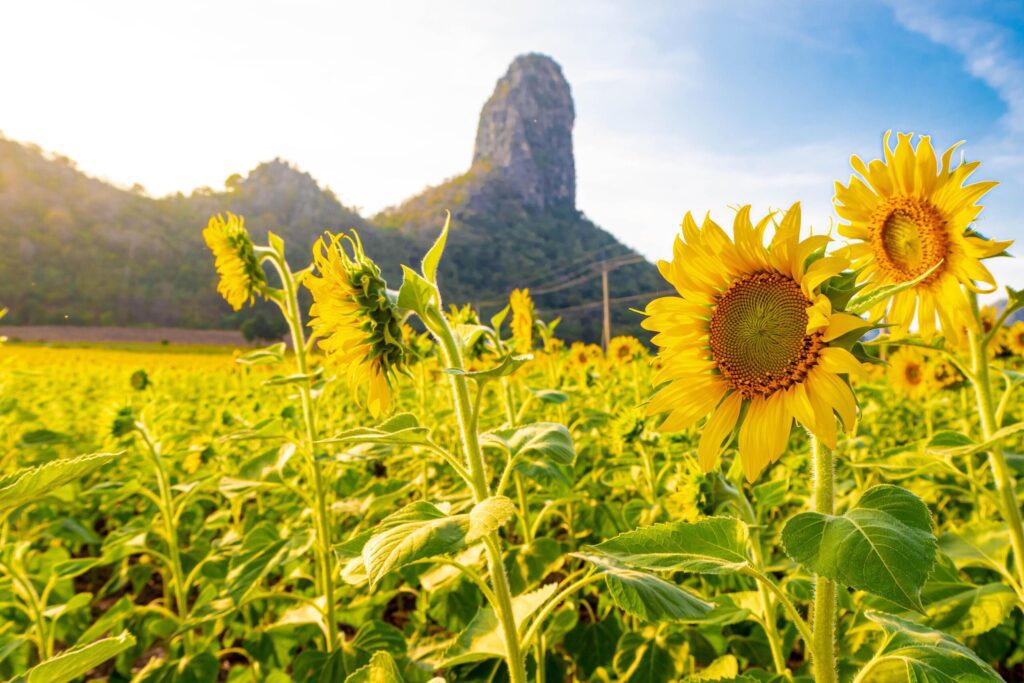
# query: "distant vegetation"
(81, 251)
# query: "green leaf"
(978, 544)
(433, 257)
(883, 545)
(955, 606)
(646, 596)
(507, 366)
(381, 669)
(549, 396)
(34, 482)
(270, 354)
(489, 515)
(639, 659)
(547, 440)
(917, 653)
(415, 532)
(262, 550)
(542, 451)
(949, 441)
(377, 635)
(76, 662)
(862, 304)
(402, 428)
(415, 294)
(716, 545)
(484, 639)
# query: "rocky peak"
(525, 133)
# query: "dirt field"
(117, 335)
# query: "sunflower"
(241, 276)
(359, 325)
(522, 320)
(1015, 338)
(909, 217)
(624, 349)
(584, 355)
(909, 374)
(749, 339)
(942, 373)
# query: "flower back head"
(241, 276)
(359, 324)
(523, 317)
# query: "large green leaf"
(484, 639)
(715, 545)
(883, 545)
(76, 662)
(920, 654)
(34, 482)
(415, 532)
(400, 429)
(547, 440)
(423, 530)
(647, 596)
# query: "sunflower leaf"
(864, 303)
(647, 596)
(915, 652)
(716, 545)
(433, 257)
(883, 545)
(76, 662)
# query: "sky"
(697, 106)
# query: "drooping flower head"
(241, 276)
(522, 319)
(748, 339)
(359, 325)
(624, 349)
(909, 216)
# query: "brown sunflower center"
(909, 238)
(758, 335)
(913, 374)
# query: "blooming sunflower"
(359, 325)
(908, 217)
(1015, 338)
(623, 349)
(909, 374)
(522, 319)
(749, 339)
(583, 355)
(241, 276)
(942, 373)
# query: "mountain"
(82, 251)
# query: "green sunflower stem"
(1005, 484)
(321, 519)
(468, 428)
(823, 623)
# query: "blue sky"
(680, 105)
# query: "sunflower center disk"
(758, 335)
(909, 237)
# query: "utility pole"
(607, 333)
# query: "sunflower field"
(812, 479)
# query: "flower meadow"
(805, 473)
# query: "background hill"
(81, 251)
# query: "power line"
(598, 304)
